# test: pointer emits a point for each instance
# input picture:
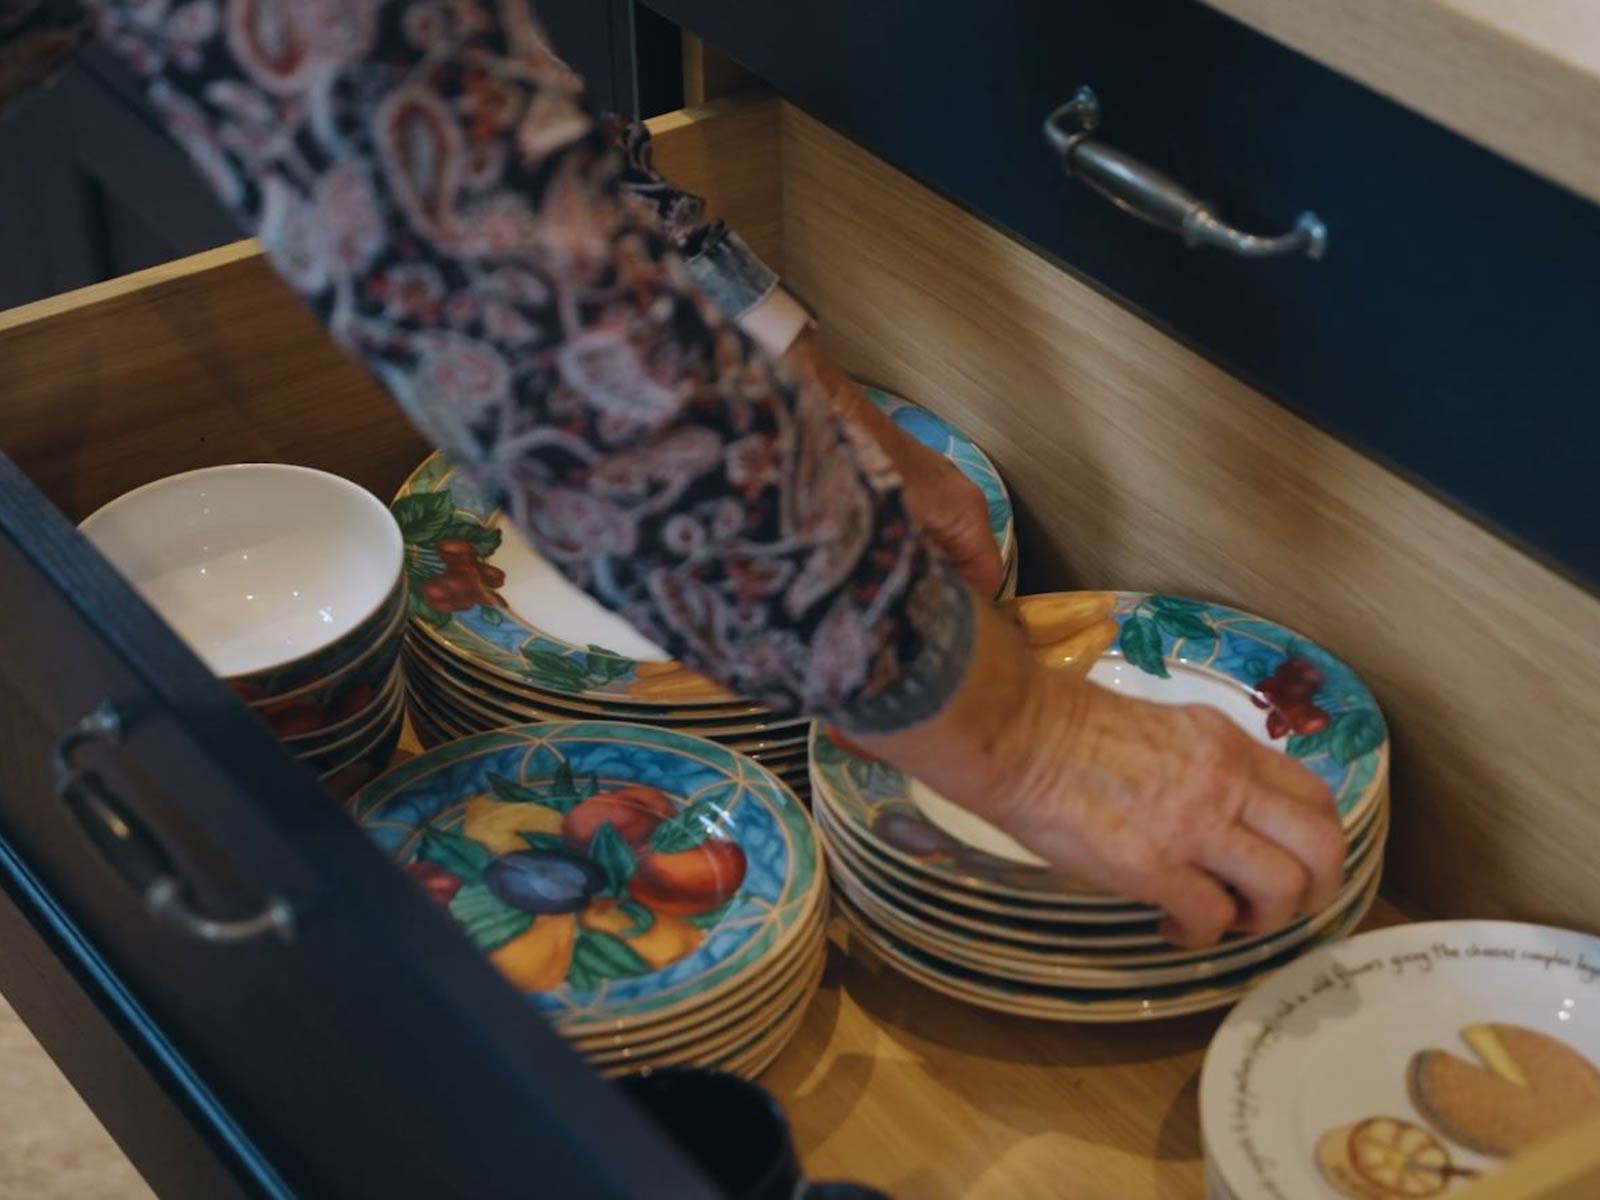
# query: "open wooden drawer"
(307, 1067)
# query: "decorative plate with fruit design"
(938, 434)
(481, 593)
(1282, 689)
(612, 872)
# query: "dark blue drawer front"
(374, 1054)
(1450, 328)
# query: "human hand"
(945, 504)
(1173, 806)
(1176, 806)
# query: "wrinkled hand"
(947, 505)
(1174, 806)
(1171, 805)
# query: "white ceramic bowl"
(254, 565)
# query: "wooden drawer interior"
(1133, 463)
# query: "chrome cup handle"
(133, 853)
(1152, 196)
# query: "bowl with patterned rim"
(318, 708)
(613, 873)
(370, 760)
(1281, 688)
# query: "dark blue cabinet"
(1447, 329)
(91, 187)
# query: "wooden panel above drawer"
(1447, 330)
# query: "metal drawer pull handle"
(1151, 196)
(133, 853)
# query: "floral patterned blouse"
(424, 174)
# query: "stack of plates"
(1402, 1063)
(957, 905)
(496, 636)
(659, 898)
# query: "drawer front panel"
(300, 1058)
(1446, 330)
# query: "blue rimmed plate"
(1113, 966)
(616, 874)
(939, 435)
(1088, 1005)
(482, 595)
(1281, 688)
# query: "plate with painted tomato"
(613, 873)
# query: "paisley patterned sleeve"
(726, 269)
(423, 174)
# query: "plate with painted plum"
(613, 873)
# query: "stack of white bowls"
(956, 904)
(287, 583)
(497, 636)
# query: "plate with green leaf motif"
(477, 591)
(615, 874)
(481, 595)
(1281, 688)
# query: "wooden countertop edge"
(1521, 79)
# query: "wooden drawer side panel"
(1136, 464)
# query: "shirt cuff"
(730, 273)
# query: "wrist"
(776, 322)
(1047, 729)
(986, 749)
